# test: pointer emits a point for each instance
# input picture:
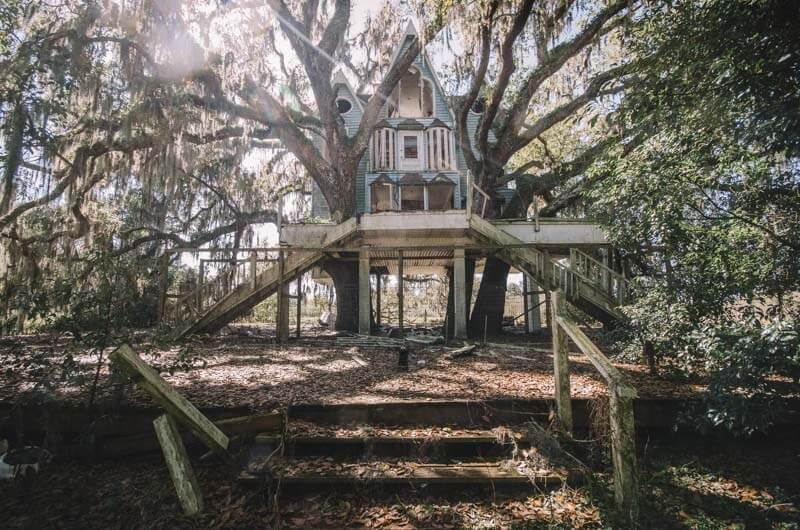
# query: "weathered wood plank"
(174, 403)
(180, 468)
(623, 454)
(621, 418)
(561, 365)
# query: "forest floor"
(254, 372)
(686, 483)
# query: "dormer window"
(440, 145)
(343, 105)
(413, 96)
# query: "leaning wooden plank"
(175, 404)
(180, 468)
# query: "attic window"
(479, 105)
(343, 105)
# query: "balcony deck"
(448, 228)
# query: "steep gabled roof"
(411, 31)
(340, 79)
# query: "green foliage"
(706, 208)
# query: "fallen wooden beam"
(180, 408)
(119, 446)
(180, 468)
(461, 352)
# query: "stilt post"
(459, 294)
(363, 292)
(400, 291)
(378, 299)
(299, 302)
(282, 319)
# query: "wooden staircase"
(212, 306)
(588, 284)
(481, 455)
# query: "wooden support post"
(179, 466)
(253, 265)
(525, 307)
(623, 451)
(623, 430)
(163, 284)
(378, 299)
(180, 408)
(468, 205)
(201, 273)
(363, 292)
(299, 303)
(561, 363)
(459, 294)
(400, 291)
(548, 285)
(282, 319)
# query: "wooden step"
(381, 476)
(440, 412)
(431, 444)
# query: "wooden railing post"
(623, 450)
(201, 272)
(282, 318)
(253, 265)
(621, 418)
(561, 363)
(299, 302)
(163, 284)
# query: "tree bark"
(491, 300)
(345, 283)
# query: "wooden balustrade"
(621, 399)
(600, 277)
(186, 306)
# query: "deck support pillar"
(282, 320)
(299, 302)
(363, 292)
(400, 289)
(459, 294)
(378, 299)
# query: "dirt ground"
(255, 372)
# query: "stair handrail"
(608, 281)
(486, 199)
(621, 403)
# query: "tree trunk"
(345, 282)
(491, 300)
